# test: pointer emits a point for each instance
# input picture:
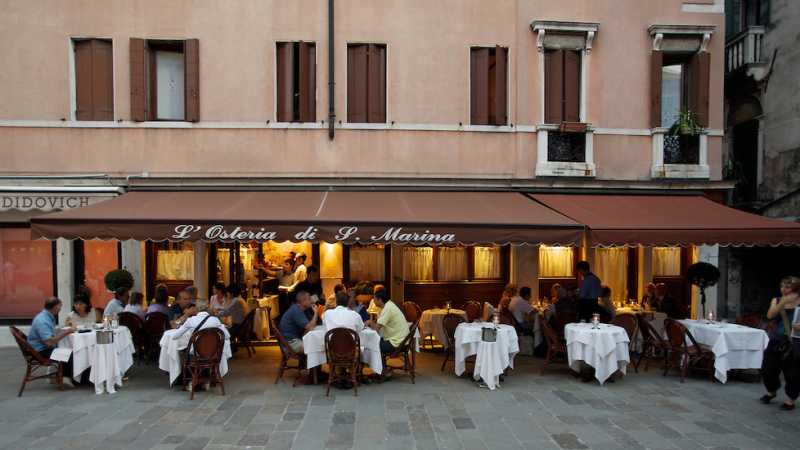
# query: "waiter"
(589, 291)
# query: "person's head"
(219, 289)
(554, 290)
(192, 291)
(338, 288)
(525, 292)
(583, 267)
(288, 264)
(300, 258)
(83, 293)
(137, 298)
(312, 274)
(650, 289)
(234, 290)
(201, 304)
(661, 290)
(81, 306)
(303, 300)
(184, 299)
(122, 294)
(161, 295)
(381, 297)
(790, 285)
(378, 287)
(605, 292)
(342, 299)
(53, 305)
(510, 290)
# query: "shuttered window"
(296, 72)
(94, 80)
(366, 83)
(165, 80)
(679, 82)
(489, 85)
(562, 79)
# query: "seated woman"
(217, 301)
(160, 300)
(136, 305)
(605, 306)
(82, 315)
(649, 297)
(235, 308)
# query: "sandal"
(766, 398)
(787, 407)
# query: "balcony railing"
(745, 48)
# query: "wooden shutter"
(357, 83)
(479, 84)
(308, 101)
(553, 86)
(138, 60)
(191, 84)
(83, 81)
(102, 80)
(285, 91)
(700, 72)
(656, 66)
(500, 107)
(376, 84)
(572, 86)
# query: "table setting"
(430, 324)
(106, 349)
(314, 348)
(602, 346)
(169, 359)
(493, 345)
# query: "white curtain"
(667, 261)
(611, 266)
(223, 265)
(418, 263)
(367, 264)
(452, 264)
(487, 262)
(175, 265)
(556, 262)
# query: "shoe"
(787, 407)
(766, 398)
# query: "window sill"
(565, 169)
(680, 171)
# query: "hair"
(338, 288)
(301, 256)
(650, 285)
(120, 291)
(561, 292)
(136, 298)
(300, 294)
(312, 269)
(192, 291)
(83, 293)
(583, 266)
(234, 290)
(605, 292)
(51, 302)
(83, 300)
(289, 261)
(161, 295)
(525, 291)
(377, 288)
(382, 295)
(201, 304)
(792, 283)
(220, 286)
(510, 290)
(342, 299)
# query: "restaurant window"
(366, 83)
(26, 273)
(666, 261)
(451, 264)
(367, 263)
(556, 262)
(611, 266)
(489, 85)
(296, 81)
(99, 258)
(94, 79)
(418, 263)
(488, 263)
(175, 261)
(165, 80)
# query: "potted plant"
(703, 275)
(686, 125)
(118, 278)
(685, 134)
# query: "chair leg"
(219, 379)
(60, 377)
(193, 384)
(354, 379)
(331, 376)
(24, 380)
(446, 357)
(281, 368)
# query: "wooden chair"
(556, 345)
(450, 322)
(562, 318)
(244, 336)
(406, 352)
(412, 311)
(135, 325)
(652, 342)
(689, 355)
(629, 323)
(343, 351)
(474, 310)
(288, 355)
(155, 324)
(204, 355)
(506, 318)
(35, 361)
(752, 320)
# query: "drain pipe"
(331, 79)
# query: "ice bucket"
(489, 334)
(105, 336)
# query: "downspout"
(331, 79)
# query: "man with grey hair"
(200, 321)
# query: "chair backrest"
(628, 322)
(676, 334)
(473, 310)
(412, 311)
(156, 323)
(283, 344)
(133, 322)
(406, 343)
(207, 344)
(450, 322)
(28, 352)
(342, 345)
(752, 320)
(550, 334)
(246, 330)
(506, 318)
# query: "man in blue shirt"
(294, 322)
(117, 304)
(589, 291)
(42, 335)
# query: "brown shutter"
(102, 80)
(500, 107)
(308, 101)
(479, 86)
(553, 86)
(376, 84)
(357, 83)
(191, 84)
(138, 80)
(285, 88)
(84, 109)
(656, 64)
(572, 86)
(699, 86)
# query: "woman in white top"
(219, 300)
(82, 315)
(136, 305)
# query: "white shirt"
(300, 273)
(194, 321)
(341, 317)
(286, 279)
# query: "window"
(611, 266)
(94, 80)
(26, 273)
(296, 73)
(165, 80)
(453, 263)
(666, 261)
(366, 83)
(489, 85)
(99, 258)
(418, 263)
(367, 263)
(488, 263)
(175, 261)
(562, 94)
(556, 262)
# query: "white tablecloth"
(492, 358)
(314, 347)
(605, 349)
(260, 319)
(431, 323)
(108, 362)
(734, 346)
(169, 360)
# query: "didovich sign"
(347, 233)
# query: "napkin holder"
(105, 337)
(489, 334)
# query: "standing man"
(589, 291)
(117, 304)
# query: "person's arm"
(313, 322)
(776, 306)
(183, 329)
(52, 341)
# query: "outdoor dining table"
(108, 362)
(314, 348)
(169, 359)
(491, 358)
(605, 348)
(431, 324)
(734, 346)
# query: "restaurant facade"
(443, 149)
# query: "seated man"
(356, 306)
(373, 307)
(522, 310)
(667, 304)
(43, 337)
(117, 304)
(294, 322)
(341, 316)
(391, 321)
(182, 309)
(235, 308)
(200, 321)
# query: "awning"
(669, 220)
(333, 216)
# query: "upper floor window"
(562, 80)
(165, 80)
(296, 73)
(489, 85)
(366, 83)
(94, 79)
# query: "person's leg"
(771, 374)
(386, 346)
(791, 375)
(296, 345)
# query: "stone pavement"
(440, 411)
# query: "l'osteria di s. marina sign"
(348, 233)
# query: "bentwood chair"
(752, 320)
(406, 352)
(628, 323)
(343, 351)
(450, 322)
(244, 336)
(155, 324)
(506, 318)
(135, 325)
(474, 310)
(556, 345)
(412, 311)
(204, 355)
(652, 343)
(288, 355)
(35, 362)
(685, 351)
